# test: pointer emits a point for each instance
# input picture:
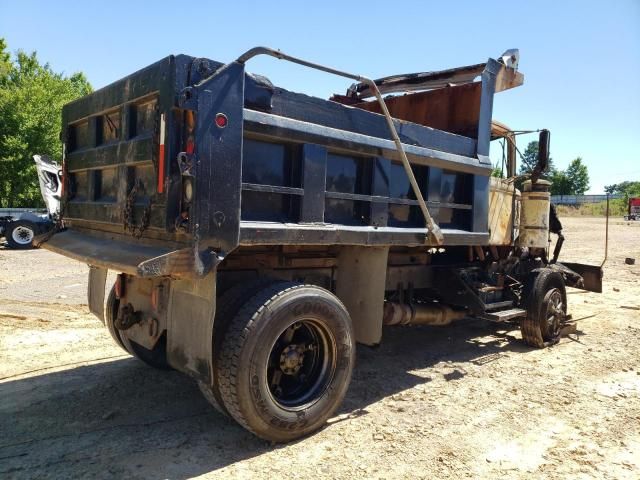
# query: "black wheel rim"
(301, 364)
(553, 312)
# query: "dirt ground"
(469, 400)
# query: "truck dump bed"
(185, 157)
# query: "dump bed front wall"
(455, 109)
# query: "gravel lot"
(469, 400)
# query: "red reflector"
(221, 120)
(191, 146)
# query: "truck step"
(498, 305)
(504, 315)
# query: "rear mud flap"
(95, 291)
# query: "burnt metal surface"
(127, 317)
(453, 109)
(420, 81)
(509, 77)
(591, 276)
(453, 290)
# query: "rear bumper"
(127, 257)
(591, 276)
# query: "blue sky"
(581, 60)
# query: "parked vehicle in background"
(633, 209)
(21, 227)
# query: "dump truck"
(259, 234)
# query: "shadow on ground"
(123, 418)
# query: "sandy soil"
(468, 400)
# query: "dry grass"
(617, 208)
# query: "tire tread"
(239, 330)
(534, 295)
(226, 307)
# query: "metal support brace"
(435, 234)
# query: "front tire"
(286, 361)
(546, 305)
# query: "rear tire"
(156, 357)
(286, 361)
(546, 305)
(110, 315)
(226, 308)
(20, 234)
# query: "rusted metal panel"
(147, 302)
(453, 109)
(591, 276)
(421, 81)
(508, 78)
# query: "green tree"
(31, 100)
(578, 175)
(529, 158)
(572, 181)
(497, 171)
(629, 188)
(560, 183)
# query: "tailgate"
(115, 167)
